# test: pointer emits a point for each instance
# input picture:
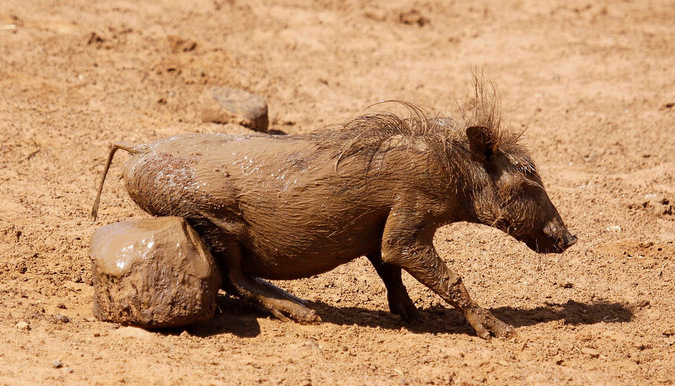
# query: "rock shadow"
(233, 316)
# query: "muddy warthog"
(287, 207)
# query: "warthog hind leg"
(269, 297)
(397, 295)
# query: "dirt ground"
(593, 83)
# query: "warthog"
(287, 207)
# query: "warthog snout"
(570, 240)
(553, 238)
(560, 233)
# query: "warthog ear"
(482, 141)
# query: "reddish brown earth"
(592, 82)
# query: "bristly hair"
(486, 107)
(369, 131)
(485, 111)
(366, 134)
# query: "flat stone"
(134, 332)
(153, 273)
(227, 105)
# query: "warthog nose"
(563, 238)
(570, 240)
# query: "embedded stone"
(153, 273)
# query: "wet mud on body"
(590, 84)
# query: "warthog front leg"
(408, 244)
(450, 287)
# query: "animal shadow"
(439, 319)
(571, 312)
(239, 318)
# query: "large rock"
(227, 105)
(153, 273)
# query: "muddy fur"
(285, 207)
(367, 135)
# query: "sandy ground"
(592, 82)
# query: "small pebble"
(311, 345)
(61, 318)
(23, 326)
(56, 363)
(591, 352)
(643, 303)
(613, 228)
(69, 370)
(134, 332)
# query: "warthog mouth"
(546, 244)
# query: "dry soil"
(592, 81)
